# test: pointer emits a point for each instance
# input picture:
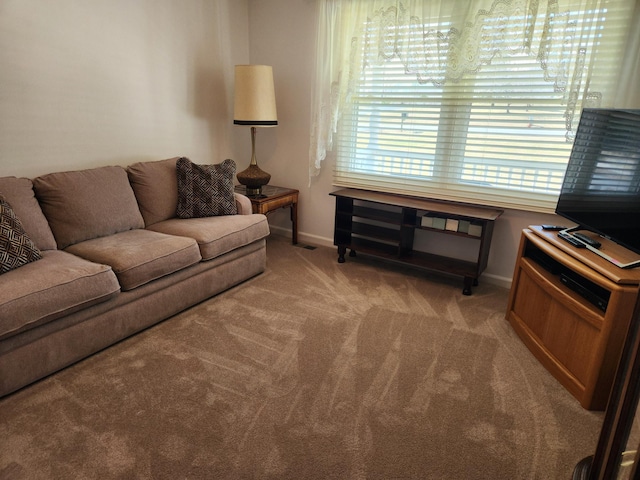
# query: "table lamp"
(254, 106)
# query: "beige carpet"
(313, 370)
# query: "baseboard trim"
(302, 237)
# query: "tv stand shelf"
(384, 225)
(572, 309)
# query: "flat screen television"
(601, 187)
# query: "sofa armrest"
(243, 204)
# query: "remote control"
(588, 240)
(572, 240)
(553, 227)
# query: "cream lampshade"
(254, 106)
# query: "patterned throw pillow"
(205, 190)
(16, 248)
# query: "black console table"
(384, 225)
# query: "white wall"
(87, 83)
(282, 34)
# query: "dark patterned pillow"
(205, 190)
(16, 248)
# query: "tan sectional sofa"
(115, 260)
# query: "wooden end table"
(272, 198)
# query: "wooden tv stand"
(572, 309)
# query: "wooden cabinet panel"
(571, 340)
(572, 317)
(532, 305)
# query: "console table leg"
(294, 223)
(341, 252)
(352, 253)
(468, 282)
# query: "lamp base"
(253, 178)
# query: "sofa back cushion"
(87, 204)
(156, 188)
(18, 192)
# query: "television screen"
(601, 187)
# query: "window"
(483, 115)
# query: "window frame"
(538, 198)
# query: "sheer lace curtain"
(450, 40)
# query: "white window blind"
(500, 135)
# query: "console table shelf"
(385, 225)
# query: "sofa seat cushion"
(217, 235)
(54, 286)
(139, 256)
